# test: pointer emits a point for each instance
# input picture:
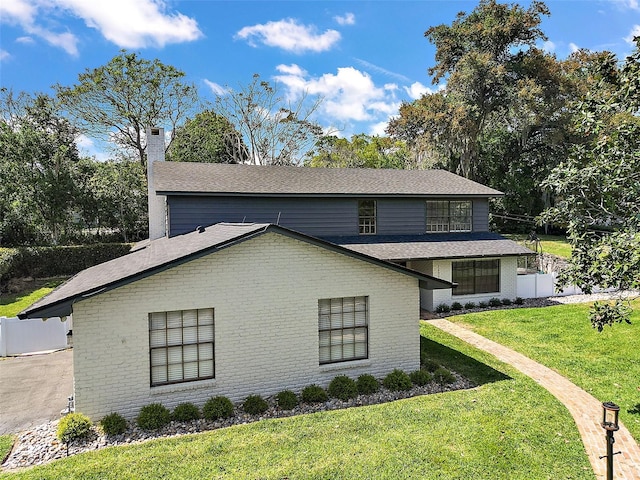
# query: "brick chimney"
(157, 203)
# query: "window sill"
(181, 387)
(331, 367)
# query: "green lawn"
(553, 244)
(11, 305)
(605, 364)
(6, 443)
(508, 428)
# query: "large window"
(449, 216)
(476, 276)
(343, 325)
(181, 346)
(367, 217)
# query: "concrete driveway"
(33, 389)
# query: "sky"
(363, 57)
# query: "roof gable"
(221, 179)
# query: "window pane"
(205, 316)
(190, 353)
(158, 374)
(159, 356)
(190, 370)
(324, 322)
(174, 354)
(174, 319)
(205, 351)
(189, 318)
(174, 336)
(175, 372)
(325, 354)
(158, 338)
(324, 338)
(437, 216)
(206, 368)
(461, 216)
(205, 333)
(158, 321)
(367, 217)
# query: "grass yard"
(605, 364)
(6, 443)
(12, 304)
(553, 244)
(508, 428)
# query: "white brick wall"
(265, 294)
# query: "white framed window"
(181, 346)
(343, 329)
(449, 216)
(367, 217)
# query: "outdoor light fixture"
(610, 423)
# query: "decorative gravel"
(39, 445)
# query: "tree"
(208, 137)
(118, 101)
(37, 157)
(275, 130)
(598, 187)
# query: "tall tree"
(275, 130)
(208, 137)
(362, 151)
(598, 188)
(119, 100)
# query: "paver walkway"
(585, 409)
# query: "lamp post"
(610, 423)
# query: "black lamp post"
(610, 423)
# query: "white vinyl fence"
(33, 335)
(544, 285)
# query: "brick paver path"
(585, 409)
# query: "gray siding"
(327, 217)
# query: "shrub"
(367, 384)
(506, 301)
(519, 301)
(483, 304)
(73, 427)
(443, 376)
(456, 306)
(397, 380)
(255, 405)
(217, 407)
(113, 424)
(185, 412)
(153, 416)
(420, 377)
(495, 302)
(286, 400)
(343, 387)
(443, 308)
(430, 365)
(314, 394)
(470, 305)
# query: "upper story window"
(367, 217)
(181, 346)
(449, 216)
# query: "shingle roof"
(222, 179)
(433, 246)
(166, 253)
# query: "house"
(260, 279)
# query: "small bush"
(286, 400)
(469, 305)
(506, 301)
(255, 405)
(456, 306)
(153, 416)
(483, 304)
(443, 376)
(113, 424)
(217, 407)
(367, 384)
(397, 380)
(495, 302)
(314, 394)
(443, 308)
(430, 365)
(519, 301)
(343, 387)
(185, 412)
(73, 427)
(420, 377)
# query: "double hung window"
(343, 328)
(449, 216)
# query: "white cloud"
(416, 90)
(4, 55)
(216, 87)
(573, 47)
(635, 32)
(629, 4)
(384, 71)
(379, 129)
(548, 46)
(125, 23)
(26, 40)
(289, 35)
(346, 19)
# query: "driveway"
(33, 389)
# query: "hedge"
(42, 262)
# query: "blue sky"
(363, 57)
